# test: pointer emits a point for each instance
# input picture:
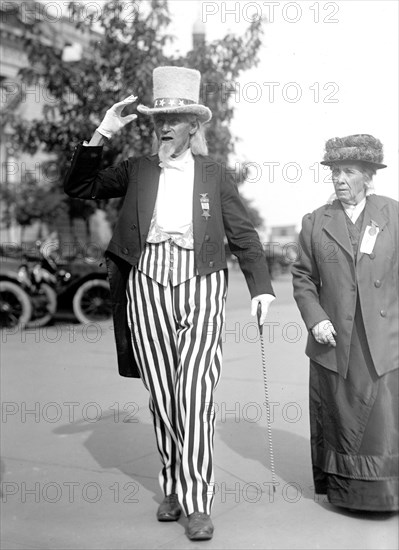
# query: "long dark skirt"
(354, 431)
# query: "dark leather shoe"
(169, 509)
(200, 526)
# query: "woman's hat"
(356, 148)
(176, 90)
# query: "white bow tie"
(178, 163)
(170, 164)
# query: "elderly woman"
(346, 287)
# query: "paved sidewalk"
(80, 465)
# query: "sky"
(326, 69)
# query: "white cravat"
(173, 212)
(180, 162)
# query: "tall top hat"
(176, 90)
(356, 148)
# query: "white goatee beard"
(166, 150)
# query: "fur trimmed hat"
(357, 148)
(176, 90)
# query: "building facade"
(57, 30)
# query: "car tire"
(92, 302)
(44, 303)
(15, 305)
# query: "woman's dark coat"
(327, 281)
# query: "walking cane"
(268, 419)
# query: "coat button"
(372, 256)
(383, 313)
(133, 226)
(125, 251)
(377, 283)
(207, 238)
(211, 264)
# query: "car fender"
(10, 276)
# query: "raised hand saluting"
(113, 120)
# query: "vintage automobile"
(34, 286)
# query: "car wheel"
(92, 301)
(44, 302)
(15, 305)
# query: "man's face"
(173, 132)
(349, 181)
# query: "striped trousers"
(176, 335)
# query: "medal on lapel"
(205, 205)
(373, 228)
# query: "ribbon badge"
(369, 238)
(205, 205)
(373, 229)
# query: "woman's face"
(349, 181)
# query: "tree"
(221, 62)
(122, 55)
(33, 203)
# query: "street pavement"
(80, 465)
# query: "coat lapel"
(148, 181)
(206, 174)
(372, 212)
(336, 227)
(375, 213)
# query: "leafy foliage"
(120, 58)
(32, 202)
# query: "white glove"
(324, 333)
(264, 300)
(113, 121)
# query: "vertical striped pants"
(176, 334)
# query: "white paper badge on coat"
(369, 238)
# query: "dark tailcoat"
(327, 282)
(136, 179)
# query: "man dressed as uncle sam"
(168, 277)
